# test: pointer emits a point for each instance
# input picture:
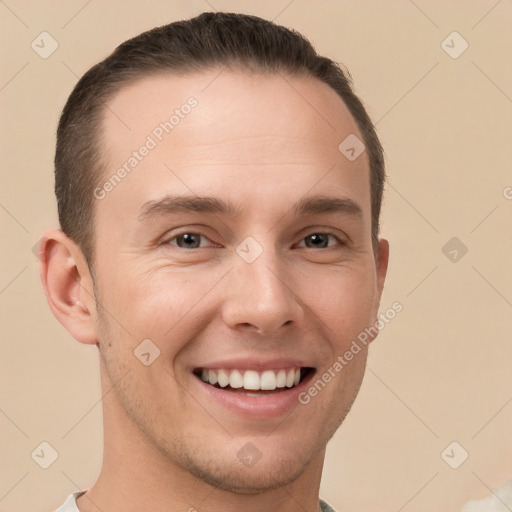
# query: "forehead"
(266, 131)
(231, 105)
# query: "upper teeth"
(251, 379)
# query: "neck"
(136, 476)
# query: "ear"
(382, 265)
(381, 268)
(68, 285)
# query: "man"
(219, 189)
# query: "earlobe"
(67, 285)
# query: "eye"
(320, 240)
(187, 240)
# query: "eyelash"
(322, 232)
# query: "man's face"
(254, 297)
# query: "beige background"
(439, 372)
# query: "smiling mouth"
(257, 382)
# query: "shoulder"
(325, 507)
(500, 499)
(70, 504)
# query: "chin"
(239, 479)
(222, 464)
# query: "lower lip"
(261, 406)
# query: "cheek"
(170, 306)
(161, 306)
(343, 303)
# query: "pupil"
(189, 240)
(319, 240)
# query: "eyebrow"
(312, 205)
(328, 204)
(177, 204)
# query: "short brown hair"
(205, 42)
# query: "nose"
(261, 296)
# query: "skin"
(262, 142)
